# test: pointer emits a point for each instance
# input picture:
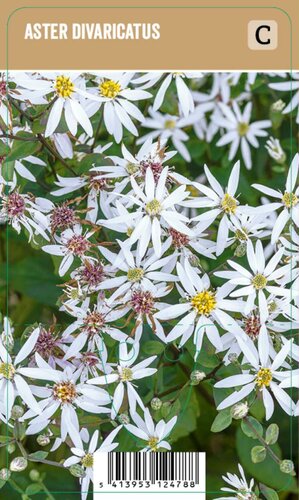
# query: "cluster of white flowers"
(148, 273)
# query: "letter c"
(257, 35)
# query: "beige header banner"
(239, 35)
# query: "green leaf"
(272, 434)
(248, 423)
(165, 409)
(258, 454)
(38, 455)
(4, 149)
(34, 277)
(33, 488)
(268, 471)
(22, 149)
(2, 483)
(153, 347)
(268, 493)
(222, 421)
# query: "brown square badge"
(262, 35)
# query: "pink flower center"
(78, 245)
(15, 205)
(142, 302)
(62, 217)
(179, 240)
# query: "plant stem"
(47, 462)
(172, 389)
(50, 497)
(15, 486)
(214, 371)
(7, 443)
(54, 153)
(263, 442)
(41, 460)
(19, 138)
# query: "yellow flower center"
(130, 231)
(241, 234)
(110, 89)
(272, 306)
(243, 128)
(229, 204)
(87, 460)
(153, 207)
(263, 377)
(289, 199)
(65, 392)
(126, 374)
(204, 302)
(135, 275)
(64, 86)
(153, 443)
(132, 168)
(259, 281)
(7, 370)
(169, 124)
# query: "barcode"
(152, 467)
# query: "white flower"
(207, 128)
(86, 457)
(156, 210)
(260, 377)
(222, 202)
(154, 435)
(21, 210)
(116, 97)
(65, 395)
(247, 227)
(70, 99)
(125, 375)
(257, 281)
(240, 132)
(92, 322)
(288, 201)
(135, 272)
(184, 94)
(72, 243)
(150, 155)
(275, 150)
(241, 489)
(168, 127)
(12, 383)
(293, 87)
(203, 307)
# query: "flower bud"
(34, 475)
(287, 466)
(240, 250)
(278, 105)
(239, 410)
(17, 411)
(194, 260)
(196, 377)
(18, 464)
(5, 474)
(124, 419)
(77, 470)
(43, 440)
(275, 150)
(11, 447)
(233, 358)
(156, 403)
